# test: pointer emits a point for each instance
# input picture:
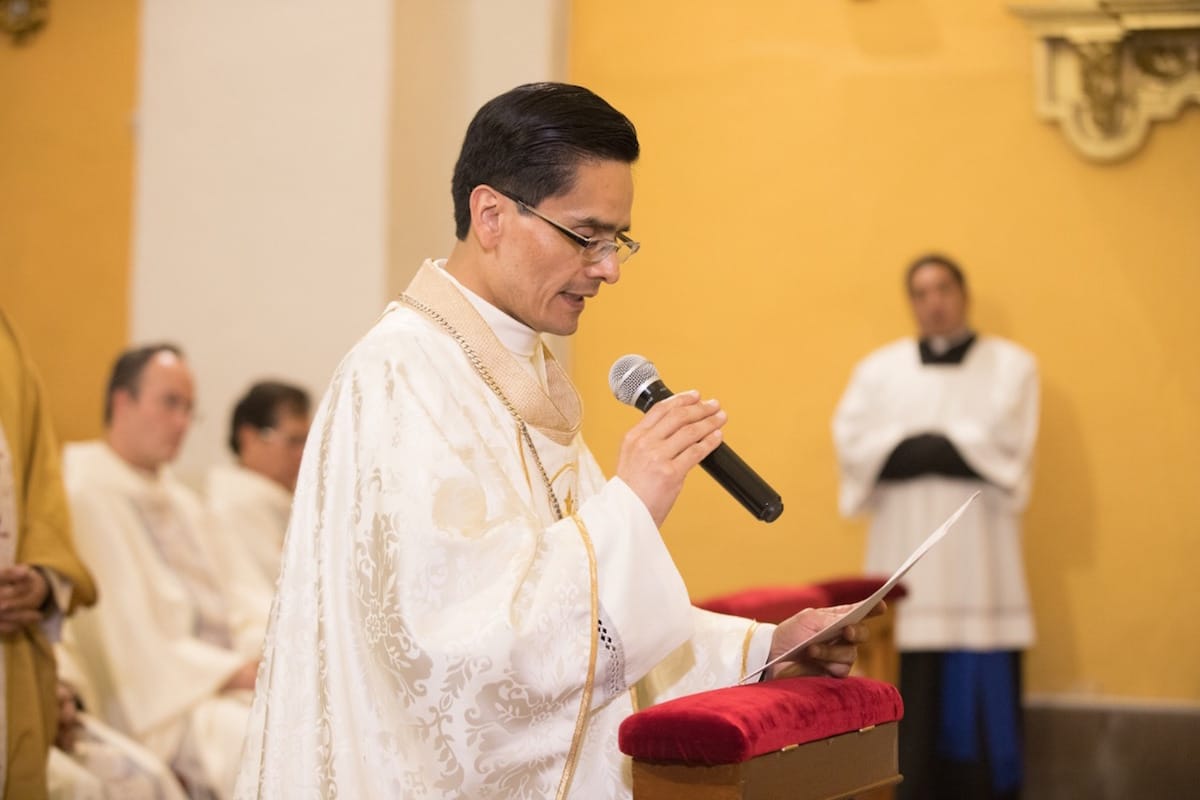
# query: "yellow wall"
(66, 173)
(796, 155)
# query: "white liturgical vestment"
(969, 592)
(157, 648)
(465, 603)
(254, 506)
(251, 514)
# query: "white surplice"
(969, 592)
(104, 764)
(438, 631)
(160, 643)
(251, 513)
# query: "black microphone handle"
(726, 467)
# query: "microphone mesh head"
(630, 374)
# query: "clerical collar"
(517, 337)
(946, 349)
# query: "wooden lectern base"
(838, 767)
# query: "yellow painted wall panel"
(795, 157)
(66, 181)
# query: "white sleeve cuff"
(59, 600)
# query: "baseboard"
(1110, 749)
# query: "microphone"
(635, 382)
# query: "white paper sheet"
(859, 611)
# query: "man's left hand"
(23, 591)
(833, 658)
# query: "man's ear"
(122, 398)
(487, 217)
(244, 433)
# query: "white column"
(451, 58)
(260, 234)
(294, 163)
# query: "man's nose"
(608, 269)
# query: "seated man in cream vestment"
(167, 661)
(466, 604)
(252, 499)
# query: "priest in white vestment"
(923, 424)
(467, 607)
(251, 499)
(166, 661)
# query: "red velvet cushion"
(768, 603)
(842, 591)
(729, 726)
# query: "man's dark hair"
(940, 260)
(127, 371)
(261, 406)
(528, 142)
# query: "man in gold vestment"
(41, 577)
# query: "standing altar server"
(924, 424)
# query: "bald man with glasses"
(165, 657)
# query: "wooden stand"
(842, 766)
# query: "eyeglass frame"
(618, 241)
(271, 433)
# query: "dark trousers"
(927, 776)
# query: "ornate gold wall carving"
(1106, 71)
(21, 19)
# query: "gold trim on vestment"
(524, 463)
(746, 650)
(585, 702)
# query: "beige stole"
(556, 411)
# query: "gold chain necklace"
(482, 371)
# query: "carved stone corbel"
(21, 19)
(1105, 71)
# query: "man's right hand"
(657, 453)
(23, 590)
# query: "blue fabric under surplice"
(979, 694)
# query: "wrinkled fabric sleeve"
(864, 438)
(721, 651)
(447, 546)
(999, 446)
(641, 592)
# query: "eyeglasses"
(595, 248)
(295, 441)
(176, 404)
